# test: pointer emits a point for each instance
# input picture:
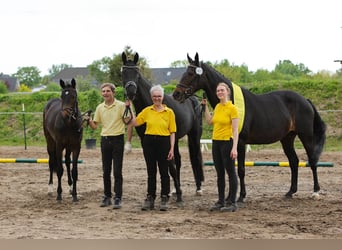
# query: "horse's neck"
(214, 78)
(143, 98)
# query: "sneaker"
(229, 208)
(216, 207)
(106, 202)
(148, 203)
(163, 203)
(117, 203)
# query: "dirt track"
(27, 212)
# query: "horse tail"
(319, 132)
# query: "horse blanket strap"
(127, 115)
(239, 101)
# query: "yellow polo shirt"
(222, 120)
(110, 118)
(157, 123)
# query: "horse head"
(193, 79)
(69, 98)
(130, 75)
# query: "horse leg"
(59, 170)
(52, 163)
(174, 175)
(288, 147)
(175, 172)
(312, 159)
(67, 164)
(75, 156)
(196, 159)
(241, 171)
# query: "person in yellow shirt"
(225, 138)
(158, 146)
(110, 115)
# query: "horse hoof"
(288, 196)
(199, 192)
(315, 196)
(75, 199)
(240, 200)
(180, 204)
(174, 192)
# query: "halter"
(72, 112)
(128, 114)
(188, 89)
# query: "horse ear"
(124, 57)
(73, 83)
(62, 83)
(189, 58)
(196, 59)
(136, 58)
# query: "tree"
(179, 64)
(116, 65)
(3, 87)
(30, 76)
(99, 69)
(55, 69)
(262, 75)
(286, 67)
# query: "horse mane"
(219, 75)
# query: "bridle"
(128, 115)
(72, 112)
(187, 88)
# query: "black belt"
(158, 136)
(111, 137)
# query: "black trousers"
(112, 149)
(156, 149)
(223, 162)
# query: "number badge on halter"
(199, 71)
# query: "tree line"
(108, 69)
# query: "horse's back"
(271, 116)
(186, 114)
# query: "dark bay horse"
(271, 117)
(188, 117)
(62, 123)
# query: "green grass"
(325, 95)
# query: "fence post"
(23, 105)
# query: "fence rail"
(22, 126)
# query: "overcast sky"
(257, 33)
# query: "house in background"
(166, 75)
(69, 73)
(158, 75)
(11, 82)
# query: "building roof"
(69, 73)
(158, 75)
(166, 75)
(12, 83)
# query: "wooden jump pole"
(28, 160)
(275, 164)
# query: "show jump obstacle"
(275, 164)
(27, 160)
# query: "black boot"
(148, 203)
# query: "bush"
(3, 88)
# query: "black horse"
(188, 117)
(62, 123)
(271, 117)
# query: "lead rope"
(127, 115)
(87, 113)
